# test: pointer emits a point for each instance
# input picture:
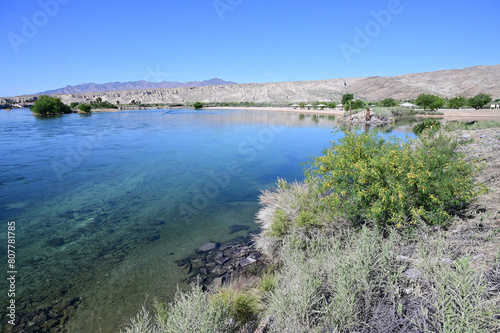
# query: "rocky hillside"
(132, 85)
(466, 82)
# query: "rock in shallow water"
(56, 242)
(236, 228)
(209, 246)
(221, 260)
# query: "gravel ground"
(477, 230)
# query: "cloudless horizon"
(49, 44)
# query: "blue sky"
(49, 44)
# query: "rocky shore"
(46, 320)
(214, 264)
(360, 118)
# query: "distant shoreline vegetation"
(424, 101)
(48, 105)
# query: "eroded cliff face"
(465, 82)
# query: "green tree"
(73, 105)
(428, 101)
(479, 101)
(104, 105)
(389, 102)
(117, 102)
(332, 105)
(85, 107)
(98, 100)
(302, 105)
(347, 99)
(46, 105)
(132, 102)
(358, 104)
(198, 105)
(457, 102)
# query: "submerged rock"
(221, 260)
(209, 246)
(153, 238)
(49, 319)
(236, 228)
(215, 263)
(55, 242)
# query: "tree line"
(47, 105)
(424, 101)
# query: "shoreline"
(447, 113)
(278, 109)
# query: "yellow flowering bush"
(366, 178)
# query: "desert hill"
(131, 85)
(465, 82)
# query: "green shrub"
(267, 282)
(366, 178)
(279, 225)
(198, 105)
(85, 107)
(47, 105)
(242, 306)
(331, 105)
(358, 104)
(427, 124)
(306, 219)
(246, 306)
(285, 203)
(103, 105)
(389, 102)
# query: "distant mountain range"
(132, 85)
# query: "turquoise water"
(100, 201)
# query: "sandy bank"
(485, 114)
(279, 109)
(464, 114)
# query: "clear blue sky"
(49, 44)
